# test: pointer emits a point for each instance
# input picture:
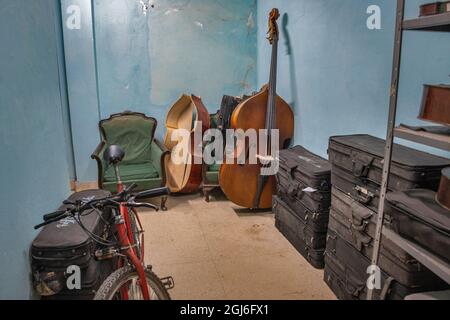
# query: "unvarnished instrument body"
(188, 113)
(241, 183)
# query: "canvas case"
(310, 244)
(357, 166)
(345, 274)
(356, 224)
(64, 243)
(417, 216)
(304, 179)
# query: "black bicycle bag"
(65, 243)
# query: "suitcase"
(315, 240)
(310, 244)
(356, 224)
(299, 170)
(64, 243)
(346, 275)
(417, 216)
(430, 296)
(443, 196)
(316, 221)
(357, 165)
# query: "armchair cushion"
(132, 172)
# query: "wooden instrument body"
(443, 196)
(244, 184)
(239, 182)
(188, 113)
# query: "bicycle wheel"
(127, 278)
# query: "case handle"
(363, 195)
(361, 216)
(295, 189)
(361, 240)
(361, 165)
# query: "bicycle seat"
(113, 154)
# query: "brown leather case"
(436, 104)
(443, 196)
(430, 9)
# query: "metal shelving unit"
(440, 23)
(436, 140)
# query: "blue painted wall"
(82, 87)
(33, 165)
(145, 62)
(338, 76)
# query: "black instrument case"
(346, 275)
(297, 230)
(356, 224)
(417, 216)
(304, 180)
(357, 165)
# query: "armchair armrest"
(96, 155)
(159, 156)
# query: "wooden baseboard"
(81, 186)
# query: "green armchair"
(211, 172)
(145, 157)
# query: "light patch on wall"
(203, 47)
(199, 24)
(251, 21)
(170, 11)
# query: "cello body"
(243, 184)
(188, 113)
(239, 182)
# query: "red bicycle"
(132, 280)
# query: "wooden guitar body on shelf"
(188, 113)
(243, 184)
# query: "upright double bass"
(244, 184)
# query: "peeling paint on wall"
(202, 46)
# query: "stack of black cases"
(356, 177)
(302, 205)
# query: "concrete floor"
(216, 252)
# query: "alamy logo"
(238, 147)
(73, 21)
(74, 278)
(374, 20)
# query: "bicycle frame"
(126, 240)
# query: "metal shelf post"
(390, 133)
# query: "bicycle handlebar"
(54, 215)
(123, 196)
(158, 192)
